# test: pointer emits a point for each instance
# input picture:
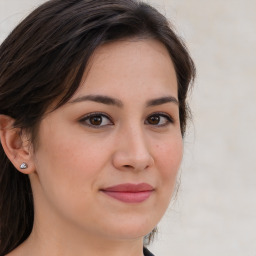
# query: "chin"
(131, 228)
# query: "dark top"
(146, 252)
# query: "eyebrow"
(100, 99)
(162, 100)
(116, 102)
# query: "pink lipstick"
(129, 193)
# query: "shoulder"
(146, 252)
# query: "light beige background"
(215, 212)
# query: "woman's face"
(106, 161)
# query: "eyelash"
(95, 114)
(168, 118)
(86, 119)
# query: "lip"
(129, 193)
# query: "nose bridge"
(134, 149)
(136, 141)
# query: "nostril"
(127, 160)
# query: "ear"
(16, 145)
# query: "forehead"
(130, 65)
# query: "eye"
(96, 120)
(159, 119)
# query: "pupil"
(154, 119)
(96, 120)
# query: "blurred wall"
(215, 211)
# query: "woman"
(92, 115)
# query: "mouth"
(129, 193)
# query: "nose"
(132, 151)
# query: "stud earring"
(23, 166)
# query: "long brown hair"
(44, 58)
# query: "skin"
(75, 159)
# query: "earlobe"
(16, 145)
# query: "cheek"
(169, 156)
(68, 172)
(68, 160)
(73, 161)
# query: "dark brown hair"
(44, 58)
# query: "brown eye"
(154, 120)
(159, 120)
(95, 120)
